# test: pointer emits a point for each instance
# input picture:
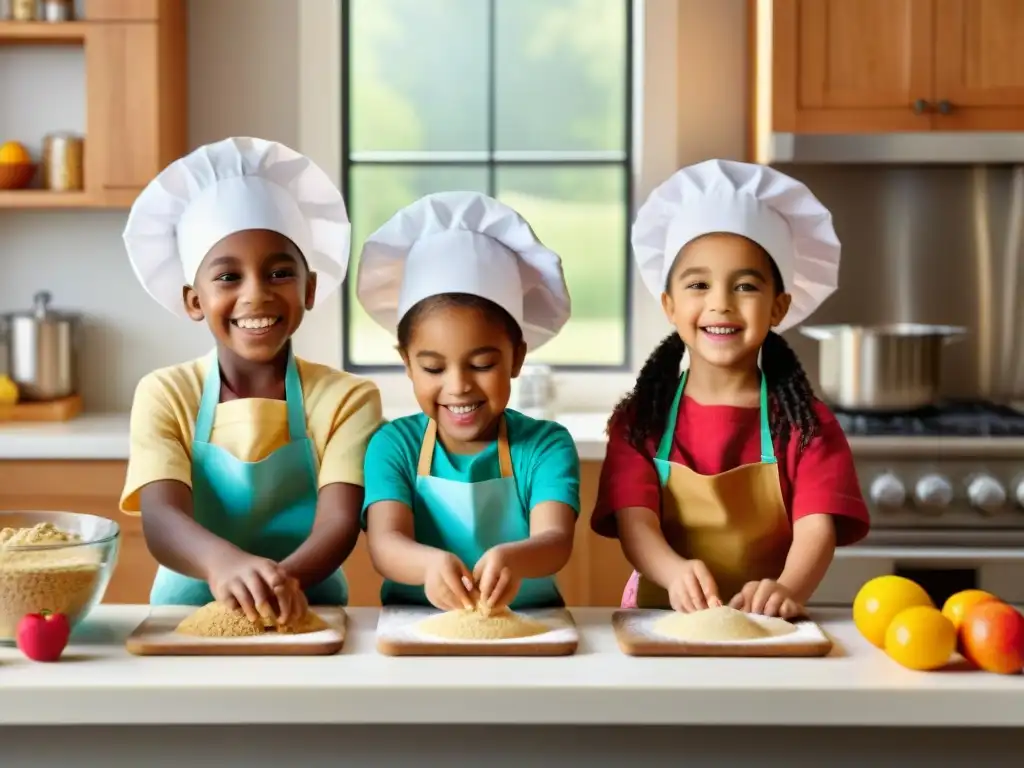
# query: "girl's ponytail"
(646, 407)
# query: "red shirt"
(711, 439)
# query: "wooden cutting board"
(397, 635)
(155, 636)
(636, 637)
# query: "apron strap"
(294, 401)
(665, 446)
(211, 397)
(767, 446)
(426, 460)
(209, 400)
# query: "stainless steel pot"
(881, 367)
(43, 351)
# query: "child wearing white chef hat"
(247, 464)
(469, 494)
(738, 491)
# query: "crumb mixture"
(720, 624)
(216, 620)
(497, 624)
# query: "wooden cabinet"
(136, 102)
(871, 66)
(131, 10)
(594, 576)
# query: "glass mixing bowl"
(62, 577)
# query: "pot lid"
(41, 310)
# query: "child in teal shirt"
(468, 496)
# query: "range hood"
(931, 147)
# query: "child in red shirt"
(738, 491)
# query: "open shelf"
(41, 32)
(43, 199)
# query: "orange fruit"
(13, 153)
(957, 605)
(992, 637)
(920, 638)
(878, 602)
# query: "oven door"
(941, 571)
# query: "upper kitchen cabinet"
(131, 10)
(979, 65)
(135, 105)
(828, 67)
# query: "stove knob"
(986, 493)
(933, 491)
(1019, 494)
(887, 491)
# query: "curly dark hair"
(790, 394)
(462, 300)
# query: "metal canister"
(44, 350)
(24, 10)
(56, 11)
(63, 162)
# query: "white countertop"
(98, 682)
(105, 436)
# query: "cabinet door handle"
(920, 106)
(945, 107)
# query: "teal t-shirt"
(544, 461)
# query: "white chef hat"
(463, 242)
(227, 187)
(774, 210)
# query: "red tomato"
(43, 636)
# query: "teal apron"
(467, 519)
(263, 507)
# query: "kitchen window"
(526, 100)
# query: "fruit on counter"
(920, 638)
(13, 153)
(958, 604)
(992, 637)
(8, 391)
(880, 600)
(43, 636)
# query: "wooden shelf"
(41, 32)
(42, 199)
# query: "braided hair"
(790, 395)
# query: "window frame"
(662, 142)
(494, 160)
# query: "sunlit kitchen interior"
(905, 117)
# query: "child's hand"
(447, 582)
(767, 597)
(255, 584)
(693, 588)
(493, 575)
(292, 601)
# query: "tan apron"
(734, 522)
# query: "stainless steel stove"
(945, 487)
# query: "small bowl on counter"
(60, 562)
(16, 175)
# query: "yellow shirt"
(342, 413)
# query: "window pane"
(376, 193)
(579, 213)
(561, 74)
(418, 75)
